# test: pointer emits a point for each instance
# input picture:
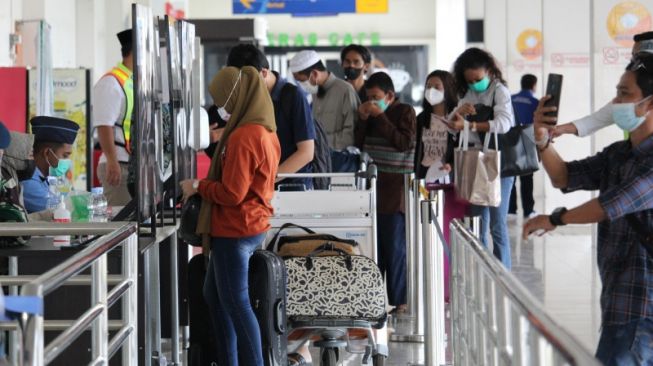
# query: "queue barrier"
(30, 348)
(495, 320)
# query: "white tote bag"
(478, 171)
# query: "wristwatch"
(556, 216)
(196, 184)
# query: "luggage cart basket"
(347, 209)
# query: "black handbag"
(518, 151)
(190, 213)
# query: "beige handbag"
(477, 171)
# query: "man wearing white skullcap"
(335, 102)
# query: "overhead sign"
(333, 39)
(309, 7)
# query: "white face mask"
(434, 96)
(308, 87)
(221, 110)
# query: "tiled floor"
(560, 270)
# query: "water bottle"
(97, 206)
(62, 215)
(54, 197)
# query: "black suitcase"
(202, 339)
(267, 293)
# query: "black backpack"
(322, 159)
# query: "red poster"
(13, 98)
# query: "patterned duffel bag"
(340, 286)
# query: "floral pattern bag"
(341, 286)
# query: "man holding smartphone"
(588, 125)
(623, 175)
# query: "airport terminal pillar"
(450, 32)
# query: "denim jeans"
(495, 220)
(391, 246)
(626, 344)
(226, 291)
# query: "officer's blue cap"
(5, 137)
(54, 129)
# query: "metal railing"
(414, 265)
(495, 320)
(34, 351)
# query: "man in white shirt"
(113, 102)
(588, 125)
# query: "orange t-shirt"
(242, 198)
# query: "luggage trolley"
(347, 210)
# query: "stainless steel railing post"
(433, 287)
(415, 333)
(152, 307)
(14, 337)
(408, 216)
(418, 329)
(438, 246)
(174, 301)
(33, 344)
(455, 323)
(129, 300)
(100, 328)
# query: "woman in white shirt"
(486, 106)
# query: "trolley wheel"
(329, 357)
(378, 360)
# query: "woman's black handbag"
(518, 151)
(190, 212)
(517, 146)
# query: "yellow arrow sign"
(247, 3)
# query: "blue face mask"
(61, 169)
(481, 85)
(625, 117)
(382, 104)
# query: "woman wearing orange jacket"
(236, 207)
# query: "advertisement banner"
(71, 101)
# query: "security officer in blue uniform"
(53, 144)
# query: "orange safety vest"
(124, 77)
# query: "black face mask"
(28, 172)
(352, 73)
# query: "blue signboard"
(295, 7)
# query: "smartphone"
(554, 89)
